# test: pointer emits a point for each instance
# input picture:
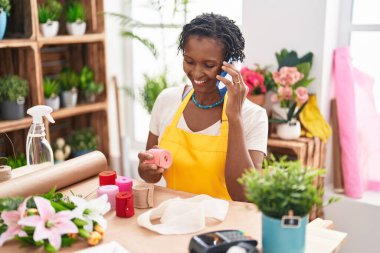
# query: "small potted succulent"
(75, 18)
(13, 91)
(285, 193)
(48, 15)
(88, 86)
(68, 81)
(5, 8)
(83, 141)
(51, 92)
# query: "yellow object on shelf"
(313, 121)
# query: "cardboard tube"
(60, 175)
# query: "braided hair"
(217, 27)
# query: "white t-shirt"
(255, 119)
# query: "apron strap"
(185, 99)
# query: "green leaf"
(300, 110)
(79, 222)
(291, 111)
(147, 43)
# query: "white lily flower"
(92, 210)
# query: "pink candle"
(111, 191)
(124, 184)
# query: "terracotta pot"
(257, 99)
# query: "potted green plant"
(5, 8)
(284, 192)
(68, 81)
(83, 141)
(75, 18)
(88, 86)
(48, 15)
(51, 92)
(152, 88)
(17, 161)
(13, 91)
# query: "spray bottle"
(38, 149)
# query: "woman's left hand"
(237, 91)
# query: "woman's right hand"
(150, 172)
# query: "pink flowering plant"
(291, 81)
(259, 80)
(52, 220)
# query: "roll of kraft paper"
(110, 191)
(60, 175)
(161, 157)
(124, 205)
(5, 173)
(143, 195)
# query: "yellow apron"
(198, 160)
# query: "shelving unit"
(25, 52)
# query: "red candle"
(124, 205)
(107, 177)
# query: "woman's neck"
(207, 98)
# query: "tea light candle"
(111, 191)
(107, 177)
(124, 205)
(124, 183)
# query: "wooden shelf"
(13, 125)
(14, 43)
(79, 109)
(70, 39)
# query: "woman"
(212, 138)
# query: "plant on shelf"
(152, 88)
(68, 81)
(83, 141)
(61, 150)
(88, 85)
(5, 8)
(13, 91)
(75, 18)
(51, 92)
(48, 15)
(52, 220)
(282, 189)
(16, 161)
(259, 81)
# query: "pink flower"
(253, 79)
(287, 76)
(49, 224)
(302, 95)
(11, 219)
(285, 92)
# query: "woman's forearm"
(238, 159)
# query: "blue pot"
(279, 239)
(3, 23)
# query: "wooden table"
(242, 216)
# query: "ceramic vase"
(70, 98)
(257, 99)
(3, 23)
(285, 239)
(53, 103)
(290, 130)
(76, 28)
(49, 29)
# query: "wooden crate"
(65, 126)
(22, 61)
(310, 151)
(21, 22)
(94, 13)
(75, 56)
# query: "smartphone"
(221, 87)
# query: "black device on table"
(220, 241)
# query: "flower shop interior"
(81, 76)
